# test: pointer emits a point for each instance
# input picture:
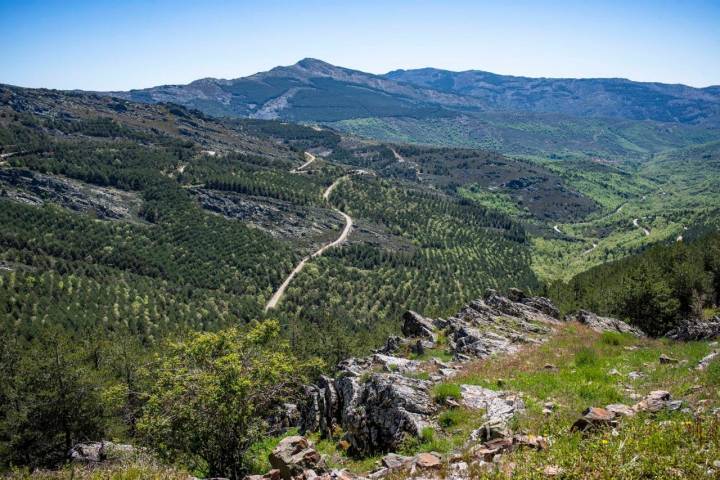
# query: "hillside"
(585, 97)
(191, 275)
(315, 90)
(152, 202)
(591, 117)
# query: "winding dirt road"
(637, 225)
(277, 296)
(402, 159)
(310, 159)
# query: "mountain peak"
(311, 63)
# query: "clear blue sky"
(122, 44)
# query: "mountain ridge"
(314, 90)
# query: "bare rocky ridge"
(606, 324)
(33, 188)
(378, 406)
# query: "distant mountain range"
(313, 90)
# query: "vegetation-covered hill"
(315, 90)
(586, 97)
(159, 219)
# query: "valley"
(380, 263)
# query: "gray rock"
(705, 362)
(96, 452)
(696, 329)
(620, 410)
(376, 415)
(392, 345)
(396, 364)
(607, 324)
(594, 418)
(394, 461)
(496, 324)
(655, 401)
(665, 360)
(294, 455)
(415, 325)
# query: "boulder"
(607, 324)
(428, 461)
(90, 452)
(594, 418)
(96, 452)
(415, 325)
(294, 455)
(696, 329)
(384, 411)
(394, 461)
(655, 401)
(492, 429)
(498, 405)
(392, 345)
(665, 360)
(705, 362)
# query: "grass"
(445, 391)
(137, 470)
(668, 445)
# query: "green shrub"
(613, 338)
(713, 373)
(453, 417)
(586, 357)
(444, 391)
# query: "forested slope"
(217, 223)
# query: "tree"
(213, 392)
(50, 400)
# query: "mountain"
(309, 90)
(313, 90)
(586, 98)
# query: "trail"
(637, 225)
(402, 159)
(398, 157)
(277, 296)
(310, 159)
(594, 246)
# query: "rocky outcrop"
(376, 414)
(35, 188)
(696, 329)
(607, 324)
(496, 324)
(378, 402)
(595, 417)
(415, 325)
(499, 408)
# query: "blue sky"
(122, 44)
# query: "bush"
(453, 417)
(443, 391)
(211, 394)
(612, 338)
